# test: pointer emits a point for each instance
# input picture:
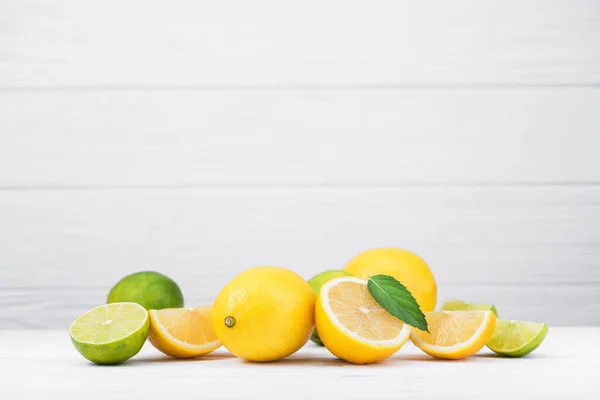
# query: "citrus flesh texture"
(264, 314)
(111, 333)
(353, 326)
(454, 334)
(151, 290)
(406, 267)
(183, 332)
(460, 305)
(517, 338)
(316, 282)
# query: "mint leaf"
(395, 298)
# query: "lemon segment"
(454, 334)
(183, 332)
(353, 326)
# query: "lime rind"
(316, 339)
(517, 338)
(460, 305)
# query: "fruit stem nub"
(229, 322)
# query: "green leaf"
(395, 298)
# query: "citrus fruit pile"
(362, 314)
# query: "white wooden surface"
(201, 138)
(267, 42)
(44, 364)
(299, 137)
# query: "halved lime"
(516, 338)
(454, 305)
(111, 333)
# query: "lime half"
(454, 305)
(516, 338)
(111, 333)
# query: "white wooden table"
(43, 365)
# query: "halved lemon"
(455, 334)
(353, 326)
(183, 332)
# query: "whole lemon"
(264, 314)
(406, 267)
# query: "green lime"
(151, 290)
(315, 283)
(110, 333)
(454, 305)
(516, 338)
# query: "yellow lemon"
(264, 314)
(406, 267)
(183, 332)
(353, 326)
(455, 334)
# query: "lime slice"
(516, 338)
(454, 305)
(111, 333)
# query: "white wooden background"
(199, 138)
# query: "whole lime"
(315, 283)
(151, 290)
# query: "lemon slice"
(183, 332)
(516, 338)
(111, 333)
(454, 334)
(353, 326)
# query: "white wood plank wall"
(199, 138)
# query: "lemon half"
(353, 326)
